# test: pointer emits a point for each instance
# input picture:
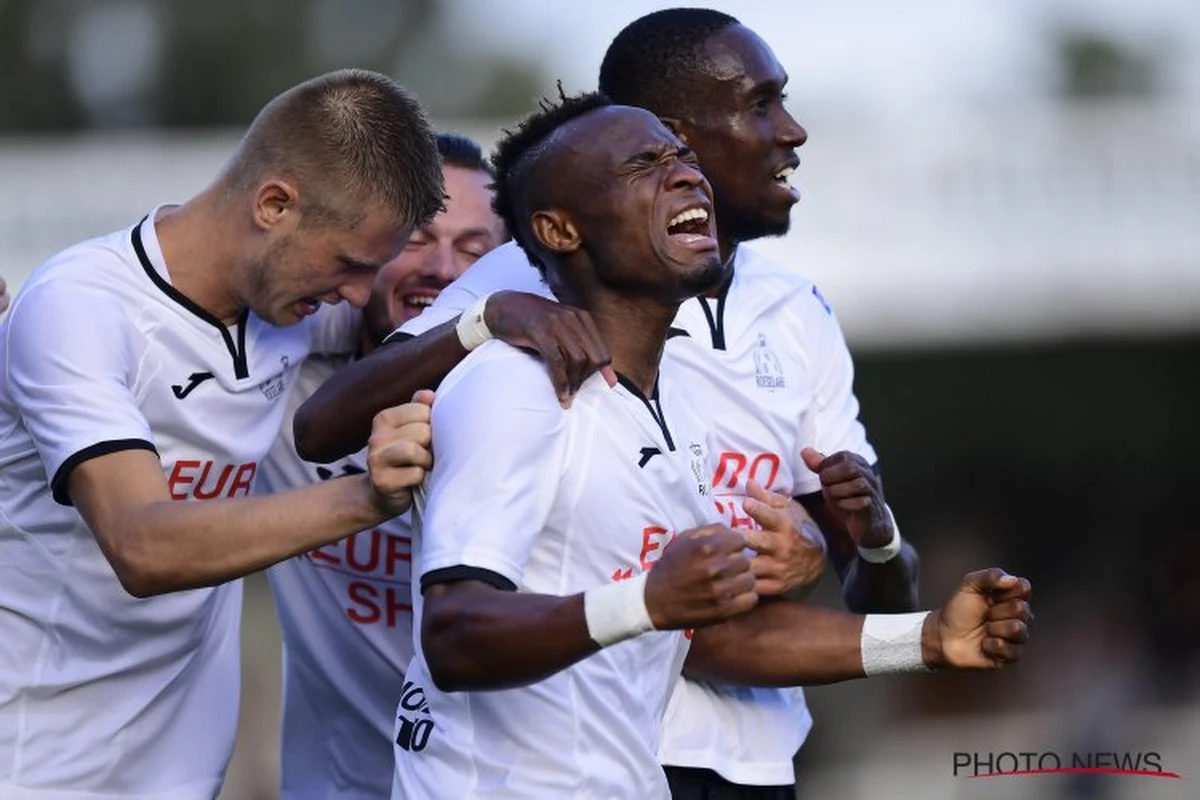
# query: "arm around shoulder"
(336, 420)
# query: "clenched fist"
(984, 625)
(399, 453)
(703, 578)
(854, 492)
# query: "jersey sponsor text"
(205, 480)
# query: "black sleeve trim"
(465, 573)
(58, 486)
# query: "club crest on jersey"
(698, 468)
(272, 388)
(768, 371)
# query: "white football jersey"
(530, 497)
(769, 371)
(345, 610)
(104, 695)
(776, 377)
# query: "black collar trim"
(237, 350)
(716, 323)
(652, 405)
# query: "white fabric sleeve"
(831, 422)
(334, 330)
(72, 360)
(499, 443)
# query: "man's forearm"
(779, 643)
(889, 588)
(867, 588)
(336, 420)
(170, 546)
(477, 637)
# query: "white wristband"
(471, 328)
(882, 555)
(617, 611)
(891, 643)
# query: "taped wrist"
(891, 643)
(471, 328)
(882, 555)
(617, 611)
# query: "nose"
(356, 290)
(439, 264)
(685, 176)
(791, 133)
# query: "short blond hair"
(349, 139)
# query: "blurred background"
(1001, 202)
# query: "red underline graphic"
(1141, 773)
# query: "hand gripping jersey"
(104, 695)
(345, 610)
(530, 497)
(768, 369)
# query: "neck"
(728, 248)
(728, 253)
(197, 240)
(635, 330)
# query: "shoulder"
(505, 267)
(498, 404)
(86, 287)
(102, 265)
(766, 277)
(783, 288)
(497, 374)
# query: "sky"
(865, 54)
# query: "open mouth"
(692, 221)
(780, 179)
(419, 300)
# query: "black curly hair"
(515, 160)
(651, 61)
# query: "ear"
(273, 201)
(676, 126)
(555, 231)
